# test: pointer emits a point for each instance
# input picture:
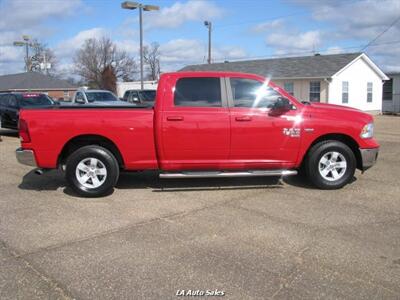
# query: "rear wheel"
(92, 171)
(330, 165)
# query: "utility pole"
(208, 24)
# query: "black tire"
(312, 165)
(107, 162)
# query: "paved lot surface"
(251, 238)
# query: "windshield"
(35, 100)
(100, 96)
(148, 96)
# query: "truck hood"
(339, 111)
(333, 106)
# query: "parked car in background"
(140, 96)
(97, 97)
(11, 103)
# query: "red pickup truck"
(203, 124)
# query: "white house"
(350, 79)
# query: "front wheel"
(92, 171)
(330, 165)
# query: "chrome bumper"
(369, 157)
(25, 157)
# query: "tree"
(151, 56)
(108, 79)
(98, 54)
(42, 58)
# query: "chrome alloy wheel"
(91, 173)
(332, 166)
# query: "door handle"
(175, 118)
(243, 119)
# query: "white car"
(97, 97)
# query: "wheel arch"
(345, 139)
(86, 140)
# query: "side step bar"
(215, 174)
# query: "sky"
(252, 29)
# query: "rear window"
(198, 92)
(35, 100)
(148, 96)
(100, 96)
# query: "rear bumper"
(369, 157)
(25, 157)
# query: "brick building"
(37, 82)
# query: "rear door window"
(198, 92)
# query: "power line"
(285, 16)
(380, 34)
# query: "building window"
(288, 87)
(66, 95)
(388, 90)
(345, 92)
(315, 91)
(369, 91)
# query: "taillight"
(24, 131)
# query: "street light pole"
(208, 24)
(141, 46)
(25, 43)
(141, 7)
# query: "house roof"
(32, 81)
(318, 66)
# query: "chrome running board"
(215, 174)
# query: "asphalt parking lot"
(250, 238)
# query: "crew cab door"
(259, 138)
(195, 124)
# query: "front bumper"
(369, 157)
(25, 157)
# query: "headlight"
(367, 131)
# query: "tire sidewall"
(315, 157)
(102, 154)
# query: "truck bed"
(128, 127)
